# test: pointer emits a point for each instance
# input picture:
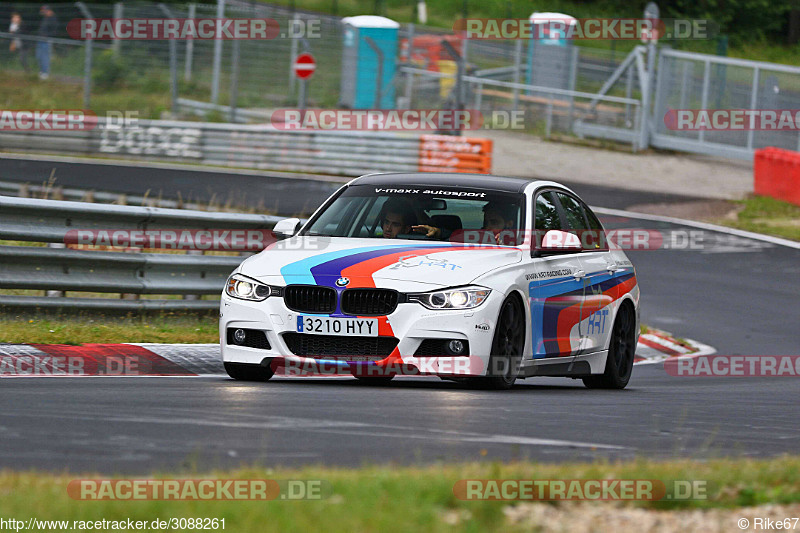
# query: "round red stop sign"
(304, 66)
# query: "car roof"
(446, 179)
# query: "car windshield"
(422, 213)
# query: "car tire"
(247, 372)
(507, 346)
(621, 350)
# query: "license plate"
(316, 325)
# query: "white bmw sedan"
(476, 278)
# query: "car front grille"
(310, 298)
(304, 344)
(365, 302)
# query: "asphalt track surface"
(735, 294)
(286, 195)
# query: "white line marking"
(699, 225)
(511, 439)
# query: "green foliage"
(109, 70)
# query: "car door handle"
(579, 274)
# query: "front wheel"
(245, 372)
(507, 346)
(621, 349)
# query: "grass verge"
(164, 328)
(391, 498)
(763, 214)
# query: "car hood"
(400, 264)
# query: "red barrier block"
(777, 174)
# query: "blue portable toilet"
(550, 51)
(360, 62)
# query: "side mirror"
(559, 242)
(286, 227)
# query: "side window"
(596, 239)
(573, 213)
(546, 213)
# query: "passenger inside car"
(498, 218)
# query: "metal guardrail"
(349, 153)
(60, 269)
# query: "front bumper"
(411, 323)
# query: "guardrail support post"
(52, 293)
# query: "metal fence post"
(217, 56)
(173, 64)
(651, 11)
(478, 96)
(647, 90)
(663, 86)
(301, 99)
(87, 61)
(409, 88)
(628, 92)
(684, 84)
(704, 98)
(292, 55)
(409, 77)
(187, 73)
(517, 65)
(753, 104)
(573, 79)
(410, 38)
(234, 79)
(117, 15)
(379, 78)
(459, 59)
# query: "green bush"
(109, 71)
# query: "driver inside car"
(398, 219)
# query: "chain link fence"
(572, 89)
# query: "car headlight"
(244, 288)
(460, 298)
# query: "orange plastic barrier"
(445, 153)
(777, 174)
(427, 50)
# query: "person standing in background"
(17, 46)
(47, 29)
